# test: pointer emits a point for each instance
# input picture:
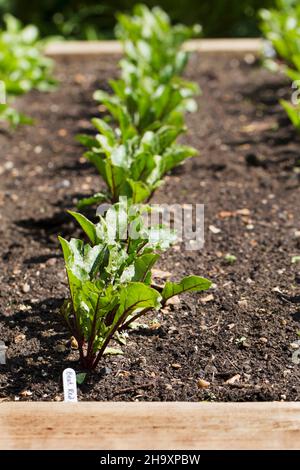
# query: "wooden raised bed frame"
(122, 426)
(145, 426)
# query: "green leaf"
(86, 140)
(161, 238)
(116, 221)
(80, 378)
(293, 112)
(113, 352)
(82, 261)
(143, 265)
(136, 296)
(230, 259)
(119, 157)
(67, 252)
(13, 117)
(116, 177)
(88, 227)
(167, 135)
(104, 144)
(104, 129)
(140, 191)
(175, 155)
(190, 283)
(92, 200)
(99, 162)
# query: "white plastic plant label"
(70, 385)
(3, 349)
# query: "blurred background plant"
(281, 28)
(95, 19)
(23, 67)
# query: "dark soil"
(247, 163)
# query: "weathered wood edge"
(170, 425)
(114, 47)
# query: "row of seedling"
(110, 279)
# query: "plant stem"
(93, 329)
(110, 336)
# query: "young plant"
(152, 45)
(110, 278)
(150, 92)
(136, 167)
(139, 104)
(23, 67)
(147, 108)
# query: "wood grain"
(147, 426)
(114, 47)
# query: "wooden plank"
(114, 47)
(127, 426)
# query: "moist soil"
(240, 337)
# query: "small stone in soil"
(25, 393)
(233, 380)
(19, 338)
(295, 345)
(74, 343)
(60, 348)
(26, 288)
(173, 301)
(203, 383)
(214, 229)
(173, 330)
(297, 234)
(51, 262)
(155, 326)
(161, 274)
(263, 340)
(24, 308)
(105, 371)
(207, 298)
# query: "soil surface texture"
(237, 342)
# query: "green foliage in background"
(22, 67)
(91, 19)
(281, 27)
(152, 45)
